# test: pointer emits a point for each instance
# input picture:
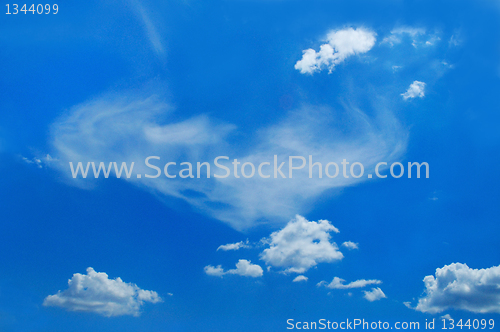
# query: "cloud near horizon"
(457, 286)
(95, 292)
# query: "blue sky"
(413, 81)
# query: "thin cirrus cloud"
(302, 244)
(150, 29)
(398, 34)
(457, 286)
(416, 89)
(243, 268)
(129, 127)
(340, 45)
(96, 293)
(338, 283)
(374, 294)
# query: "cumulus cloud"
(416, 89)
(300, 278)
(128, 127)
(95, 292)
(350, 245)
(216, 271)
(456, 286)
(243, 268)
(340, 45)
(233, 246)
(338, 283)
(302, 244)
(374, 295)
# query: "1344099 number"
(39, 9)
(476, 324)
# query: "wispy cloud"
(234, 246)
(129, 127)
(149, 27)
(340, 45)
(39, 162)
(338, 283)
(243, 268)
(457, 286)
(396, 36)
(95, 292)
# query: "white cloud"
(243, 268)
(350, 245)
(456, 286)
(340, 45)
(150, 29)
(302, 244)
(374, 295)
(398, 34)
(39, 162)
(129, 127)
(416, 89)
(95, 292)
(233, 246)
(447, 317)
(216, 271)
(338, 283)
(300, 278)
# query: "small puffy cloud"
(302, 244)
(243, 268)
(216, 271)
(247, 269)
(350, 245)
(374, 295)
(233, 246)
(416, 89)
(338, 283)
(300, 278)
(456, 286)
(95, 292)
(340, 45)
(447, 316)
